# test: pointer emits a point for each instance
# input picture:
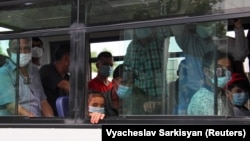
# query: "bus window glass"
(149, 69)
(109, 11)
(169, 70)
(20, 16)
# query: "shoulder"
(8, 66)
(46, 68)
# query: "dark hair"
(37, 40)
(118, 72)
(104, 54)
(239, 80)
(95, 93)
(61, 51)
(244, 84)
(212, 56)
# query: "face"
(36, 44)
(116, 82)
(105, 62)
(24, 46)
(67, 62)
(104, 67)
(223, 73)
(224, 63)
(234, 90)
(96, 101)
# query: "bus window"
(153, 55)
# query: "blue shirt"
(7, 87)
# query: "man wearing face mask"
(217, 66)
(37, 51)
(31, 100)
(55, 77)
(104, 66)
(144, 65)
(237, 90)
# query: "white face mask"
(93, 109)
(123, 91)
(24, 59)
(37, 52)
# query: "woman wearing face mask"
(237, 90)
(96, 103)
(216, 66)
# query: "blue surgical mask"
(143, 32)
(239, 99)
(123, 91)
(222, 81)
(106, 71)
(93, 109)
(13, 57)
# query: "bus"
(150, 37)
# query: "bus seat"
(62, 106)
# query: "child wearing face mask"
(96, 103)
(237, 90)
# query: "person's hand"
(150, 106)
(31, 114)
(96, 117)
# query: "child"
(238, 92)
(96, 103)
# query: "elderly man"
(31, 99)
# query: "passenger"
(144, 63)
(183, 92)
(237, 90)
(215, 65)
(197, 39)
(55, 77)
(37, 51)
(31, 100)
(96, 104)
(239, 48)
(104, 66)
(112, 100)
(128, 100)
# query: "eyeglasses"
(220, 72)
